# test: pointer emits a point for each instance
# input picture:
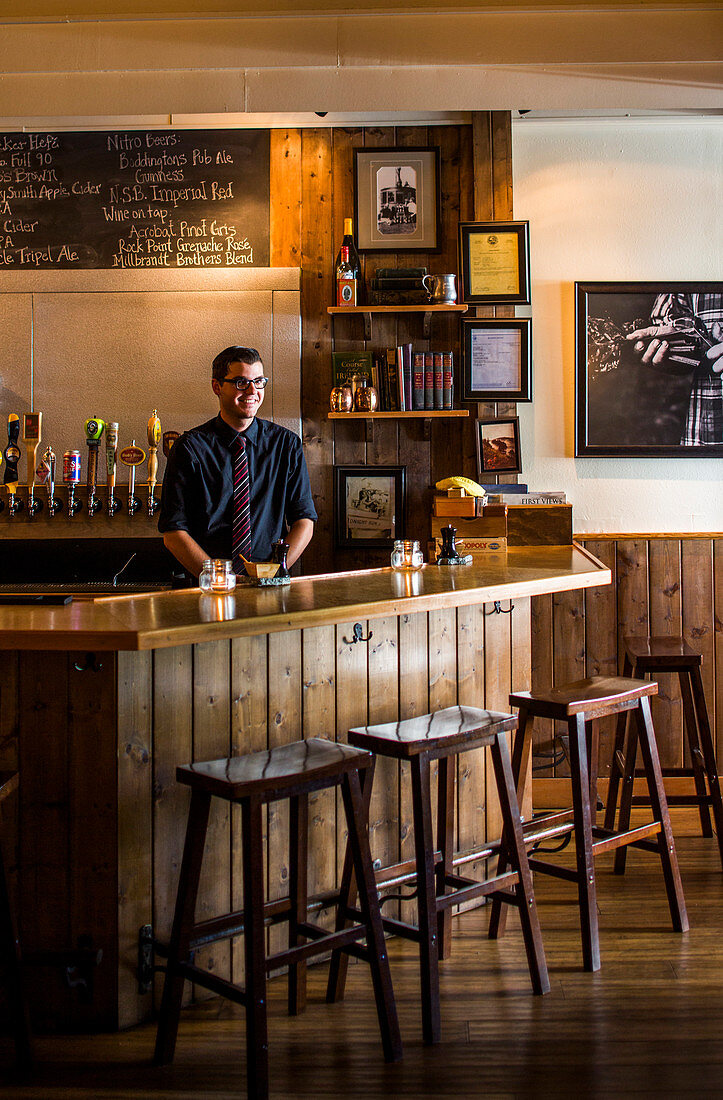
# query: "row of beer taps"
(45, 472)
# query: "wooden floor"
(650, 1023)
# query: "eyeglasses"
(245, 383)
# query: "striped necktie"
(241, 529)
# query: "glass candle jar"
(217, 575)
(406, 554)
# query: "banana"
(459, 482)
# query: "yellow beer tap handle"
(154, 438)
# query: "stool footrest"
(476, 889)
(608, 840)
(553, 869)
(323, 941)
(213, 983)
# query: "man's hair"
(234, 354)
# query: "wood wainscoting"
(662, 584)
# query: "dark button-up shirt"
(197, 494)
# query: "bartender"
(236, 484)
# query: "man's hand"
(714, 356)
(654, 342)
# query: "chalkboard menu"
(134, 199)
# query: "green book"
(345, 364)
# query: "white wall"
(624, 200)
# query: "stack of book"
(520, 495)
(405, 380)
(398, 286)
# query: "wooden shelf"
(398, 309)
(426, 414)
(366, 312)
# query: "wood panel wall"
(312, 191)
(661, 585)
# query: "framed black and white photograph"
(497, 359)
(494, 262)
(498, 446)
(397, 199)
(369, 505)
(649, 369)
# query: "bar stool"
(646, 657)
(289, 772)
(10, 950)
(579, 704)
(442, 736)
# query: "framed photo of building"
(497, 359)
(494, 262)
(649, 369)
(369, 506)
(397, 199)
(498, 446)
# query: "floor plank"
(648, 1024)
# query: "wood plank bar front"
(101, 732)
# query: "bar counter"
(102, 699)
(155, 621)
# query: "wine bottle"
(346, 280)
(354, 261)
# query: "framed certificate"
(497, 359)
(494, 262)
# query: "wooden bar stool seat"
(420, 741)
(289, 772)
(10, 954)
(648, 656)
(579, 704)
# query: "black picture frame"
(365, 497)
(397, 199)
(497, 350)
(502, 455)
(629, 407)
(494, 262)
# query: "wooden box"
(454, 506)
(539, 524)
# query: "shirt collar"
(228, 434)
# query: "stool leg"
(357, 822)
(426, 898)
(445, 845)
(298, 895)
(587, 894)
(183, 921)
(697, 760)
(521, 750)
(10, 948)
(257, 1046)
(593, 751)
(666, 845)
(626, 798)
(513, 845)
(706, 744)
(617, 766)
(347, 895)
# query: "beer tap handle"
(32, 425)
(132, 456)
(169, 438)
(111, 449)
(46, 473)
(154, 438)
(93, 431)
(12, 458)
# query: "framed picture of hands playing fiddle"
(649, 369)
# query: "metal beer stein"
(441, 289)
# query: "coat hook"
(358, 631)
(497, 609)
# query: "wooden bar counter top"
(102, 700)
(155, 621)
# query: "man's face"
(239, 406)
